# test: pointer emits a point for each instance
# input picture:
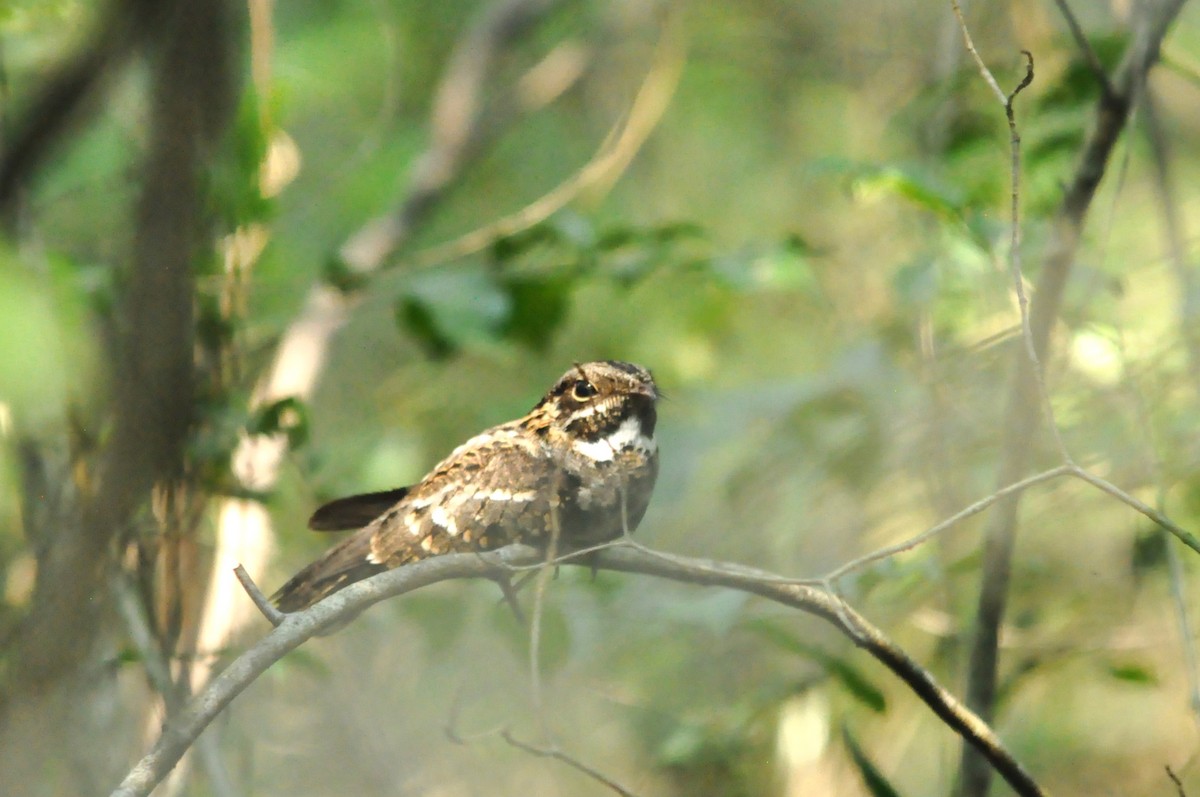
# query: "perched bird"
(583, 458)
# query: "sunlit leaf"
(1133, 673)
(920, 190)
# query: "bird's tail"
(345, 563)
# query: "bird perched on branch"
(580, 466)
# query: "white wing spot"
(506, 495)
(442, 518)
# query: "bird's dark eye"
(583, 389)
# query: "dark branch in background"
(182, 732)
(189, 106)
(1085, 47)
(190, 101)
(153, 400)
(1150, 24)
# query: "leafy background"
(810, 253)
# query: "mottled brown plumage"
(585, 456)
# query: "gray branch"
(182, 731)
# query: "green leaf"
(416, 316)
(128, 655)
(510, 247)
(683, 746)
(1149, 551)
(908, 184)
(875, 781)
(1133, 673)
(537, 308)
(288, 416)
(234, 188)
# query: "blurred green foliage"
(811, 254)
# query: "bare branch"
(181, 732)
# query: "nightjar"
(584, 457)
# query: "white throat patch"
(626, 436)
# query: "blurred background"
(407, 218)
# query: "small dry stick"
(264, 605)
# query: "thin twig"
(1187, 639)
(261, 601)
(1186, 537)
(571, 761)
(984, 72)
(953, 520)
(1175, 779)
